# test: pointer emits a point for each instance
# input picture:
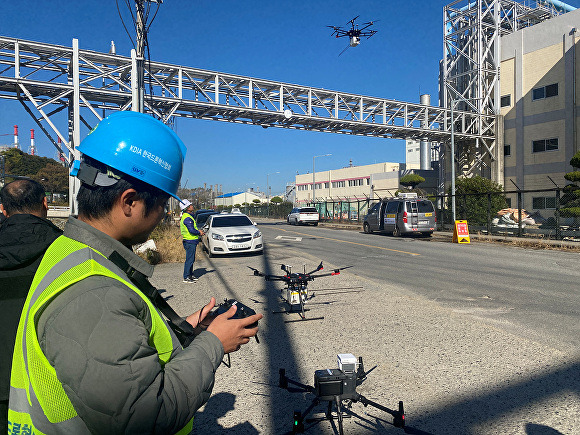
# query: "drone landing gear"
(301, 313)
(339, 415)
(300, 417)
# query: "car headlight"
(257, 234)
(216, 236)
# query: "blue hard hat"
(140, 146)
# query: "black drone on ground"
(354, 33)
(295, 294)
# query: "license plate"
(424, 222)
(239, 246)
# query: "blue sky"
(285, 41)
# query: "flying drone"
(295, 294)
(354, 33)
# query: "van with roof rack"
(404, 214)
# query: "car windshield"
(308, 210)
(231, 221)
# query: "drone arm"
(399, 415)
(275, 278)
(284, 381)
(368, 34)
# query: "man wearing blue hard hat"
(98, 350)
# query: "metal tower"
(470, 73)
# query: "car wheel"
(396, 231)
(367, 228)
(315, 224)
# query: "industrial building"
(538, 102)
(233, 198)
(350, 183)
(516, 61)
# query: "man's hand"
(201, 317)
(233, 332)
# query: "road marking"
(294, 239)
(352, 243)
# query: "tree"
(276, 200)
(571, 198)
(411, 180)
(53, 177)
(256, 201)
(48, 172)
(471, 199)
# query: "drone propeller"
(268, 277)
(320, 267)
(351, 22)
(334, 272)
(256, 271)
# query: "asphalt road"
(474, 339)
(533, 293)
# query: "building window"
(541, 203)
(545, 92)
(506, 100)
(368, 181)
(507, 150)
(338, 184)
(358, 182)
(539, 146)
(326, 185)
(509, 202)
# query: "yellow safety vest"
(38, 403)
(184, 231)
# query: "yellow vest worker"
(190, 234)
(98, 350)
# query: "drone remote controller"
(242, 312)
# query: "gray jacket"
(95, 335)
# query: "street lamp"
(453, 101)
(268, 192)
(313, 177)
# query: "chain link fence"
(496, 213)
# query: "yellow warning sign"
(461, 232)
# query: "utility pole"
(140, 27)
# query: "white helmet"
(184, 204)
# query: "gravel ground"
(454, 374)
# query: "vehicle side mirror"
(255, 224)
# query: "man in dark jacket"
(24, 236)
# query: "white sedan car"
(231, 233)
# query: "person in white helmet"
(190, 234)
(98, 350)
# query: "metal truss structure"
(470, 71)
(48, 79)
